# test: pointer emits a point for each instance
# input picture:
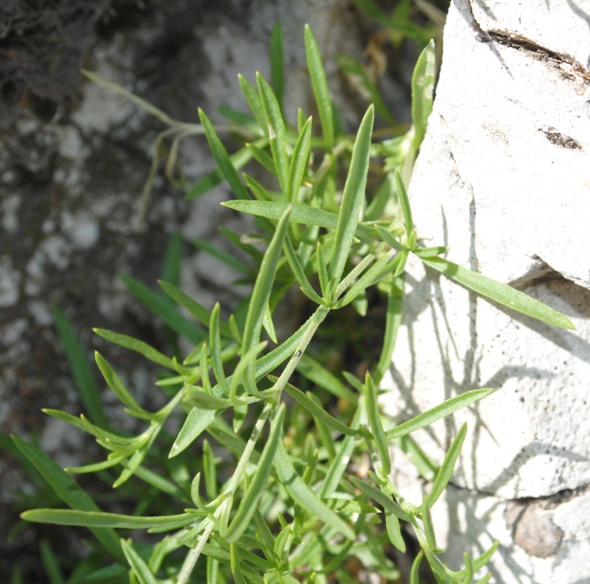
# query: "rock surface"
(502, 179)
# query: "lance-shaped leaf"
(261, 293)
(276, 131)
(430, 416)
(138, 566)
(302, 495)
(320, 87)
(353, 195)
(394, 532)
(500, 293)
(66, 488)
(393, 319)
(256, 485)
(316, 372)
(160, 305)
(277, 62)
(197, 310)
(118, 388)
(317, 411)
(224, 162)
(78, 363)
(374, 417)
(140, 347)
(223, 256)
(299, 159)
(422, 92)
(195, 424)
(215, 347)
(254, 102)
(344, 451)
(238, 160)
(386, 501)
(482, 560)
(404, 200)
(415, 571)
(301, 213)
(447, 467)
(299, 273)
(105, 520)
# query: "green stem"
(193, 555)
(316, 320)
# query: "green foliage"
(257, 477)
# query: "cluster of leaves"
(294, 507)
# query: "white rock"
(503, 179)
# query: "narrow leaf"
(422, 92)
(393, 319)
(415, 571)
(316, 372)
(500, 293)
(78, 363)
(161, 307)
(236, 568)
(299, 161)
(197, 310)
(261, 293)
(138, 346)
(275, 131)
(353, 195)
(374, 417)
(319, 83)
(66, 488)
(215, 348)
(138, 566)
(447, 467)
(117, 386)
(257, 484)
(406, 210)
(277, 63)
(299, 273)
(304, 214)
(344, 451)
(386, 501)
(194, 425)
(105, 520)
(254, 101)
(51, 563)
(264, 159)
(394, 532)
(222, 255)
(224, 162)
(482, 560)
(446, 408)
(317, 411)
(238, 159)
(304, 496)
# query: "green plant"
(287, 504)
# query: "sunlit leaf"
(446, 408)
(500, 293)
(447, 467)
(353, 195)
(320, 87)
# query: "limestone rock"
(502, 179)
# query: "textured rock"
(502, 179)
